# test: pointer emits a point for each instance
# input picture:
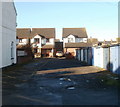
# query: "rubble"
(71, 88)
(65, 79)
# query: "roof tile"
(77, 45)
(46, 32)
(79, 32)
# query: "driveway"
(58, 81)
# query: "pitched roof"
(92, 40)
(46, 32)
(79, 32)
(77, 45)
(23, 32)
(48, 46)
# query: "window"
(35, 50)
(36, 40)
(43, 41)
(70, 40)
(47, 40)
(20, 40)
(12, 47)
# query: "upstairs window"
(70, 40)
(47, 40)
(43, 41)
(36, 40)
(20, 40)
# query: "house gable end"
(44, 32)
(37, 36)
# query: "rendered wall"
(51, 41)
(0, 34)
(39, 44)
(114, 59)
(8, 34)
(98, 57)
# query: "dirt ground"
(59, 81)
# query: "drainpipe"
(109, 61)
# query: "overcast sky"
(99, 18)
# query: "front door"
(12, 52)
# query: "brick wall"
(71, 50)
(23, 59)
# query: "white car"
(59, 54)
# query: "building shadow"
(110, 67)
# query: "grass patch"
(111, 82)
(110, 79)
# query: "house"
(73, 38)
(8, 34)
(23, 35)
(24, 51)
(94, 41)
(118, 40)
(40, 39)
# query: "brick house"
(73, 38)
(40, 39)
(23, 36)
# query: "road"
(57, 81)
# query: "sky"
(99, 18)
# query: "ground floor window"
(20, 40)
(47, 40)
(12, 47)
(35, 50)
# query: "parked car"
(68, 55)
(59, 54)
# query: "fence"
(23, 56)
